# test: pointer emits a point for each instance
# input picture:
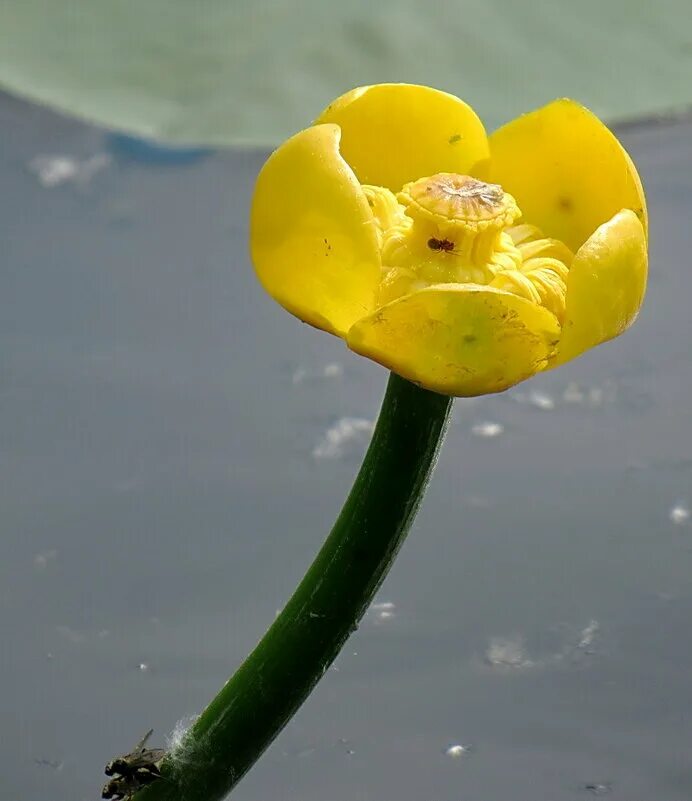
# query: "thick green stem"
(272, 683)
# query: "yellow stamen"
(451, 228)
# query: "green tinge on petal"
(567, 171)
(312, 235)
(395, 133)
(605, 286)
(459, 339)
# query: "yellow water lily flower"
(462, 262)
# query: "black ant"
(444, 245)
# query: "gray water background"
(166, 476)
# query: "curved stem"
(272, 683)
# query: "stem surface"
(272, 683)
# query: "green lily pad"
(237, 71)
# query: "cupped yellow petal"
(605, 286)
(396, 133)
(312, 235)
(459, 339)
(567, 171)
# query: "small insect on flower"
(440, 245)
(138, 760)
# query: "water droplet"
(487, 429)
(679, 514)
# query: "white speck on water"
(346, 433)
(42, 559)
(679, 515)
(383, 610)
(507, 652)
(330, 371)
(511, 652)
(596, 396)
(143, 667)
(333, 370)
(573, 393)
(588, 635)
(54, 764)
(54, 170)
(540, 400)
(487, 429)
(457, 750)
(592, 397)
(598, 788)
(70, 634)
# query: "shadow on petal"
(605, 286)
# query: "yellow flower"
(462, 262)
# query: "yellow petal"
(312, 236)
(567, 171)
(459, 339)
(605, 286)
(394, 133)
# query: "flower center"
(458, 203)
(450, 228)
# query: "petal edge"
(312, 236)
(394, 133)
(605, 286)
(459, 339)
(567, 170)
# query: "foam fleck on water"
(487, 429)
(55, 170)
(344, 435)
(507, 652)
(679, 515)
(456, 751)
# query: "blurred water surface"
(174, 448)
